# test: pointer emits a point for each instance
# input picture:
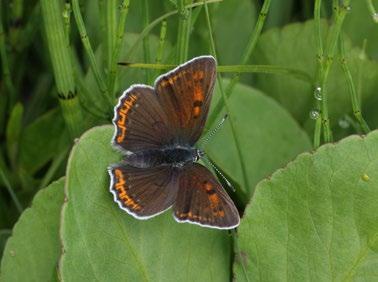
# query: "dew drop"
(375, 17)
(318, 93)
(314, 114)
(343, 123)
(348, 8)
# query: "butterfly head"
(198, 154)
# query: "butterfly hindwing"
(139, 120)
(186, 93)
(143, 192)
(202, 200)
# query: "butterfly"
(156, 129)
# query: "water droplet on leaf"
(314, 114)
(375, 17)
(344, 123)
(318, 93)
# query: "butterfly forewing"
(186, 93)
(139, 120)
(152, 123)
(202, 200)
(143, 192)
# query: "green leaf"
(103, 243)
(32, 252)
(13, 131)
(269, 137)
(316, 219)
(295, 46)
(42, 140)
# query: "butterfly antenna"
(211, 134)
(219, 172)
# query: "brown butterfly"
(156, 129)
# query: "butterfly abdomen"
(174, 156)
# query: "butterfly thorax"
(176, 156)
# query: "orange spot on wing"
(198, 75)
(198, 93)
(121, 188)
(196, 111)
(123, 111)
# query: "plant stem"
(110, 29)
(372, 10)
(226, 105)
(155, 22)
(57, 161)
(11, 192)
(319, 61)
(88, 48)
(267, 69)
(339, 16)
(160, 51)
(183, 31)
(247, 54)
(60, 55)
(67, 19)
(5, 64)
(124, 9)
(146, 41)
(352, 90)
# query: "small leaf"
(103, 243)
(316, 219)
(32, 252)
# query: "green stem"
(88, 48)
(339, 16)
(124, 9)
(372, 10)
(67, 19)
(5, 64)
(225, 102)
(320, 57)
(146, 41)
(267, 69)
(163, 34)
(110, 26)
(11, 192)
(183, 32)
(247, 54)
(56, 163)
(352, 90)
(60, 55)
(157, 21)
(16, 13)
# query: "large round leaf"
(316, 219)
(103, 243)
(267, 135)
(33, 250)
